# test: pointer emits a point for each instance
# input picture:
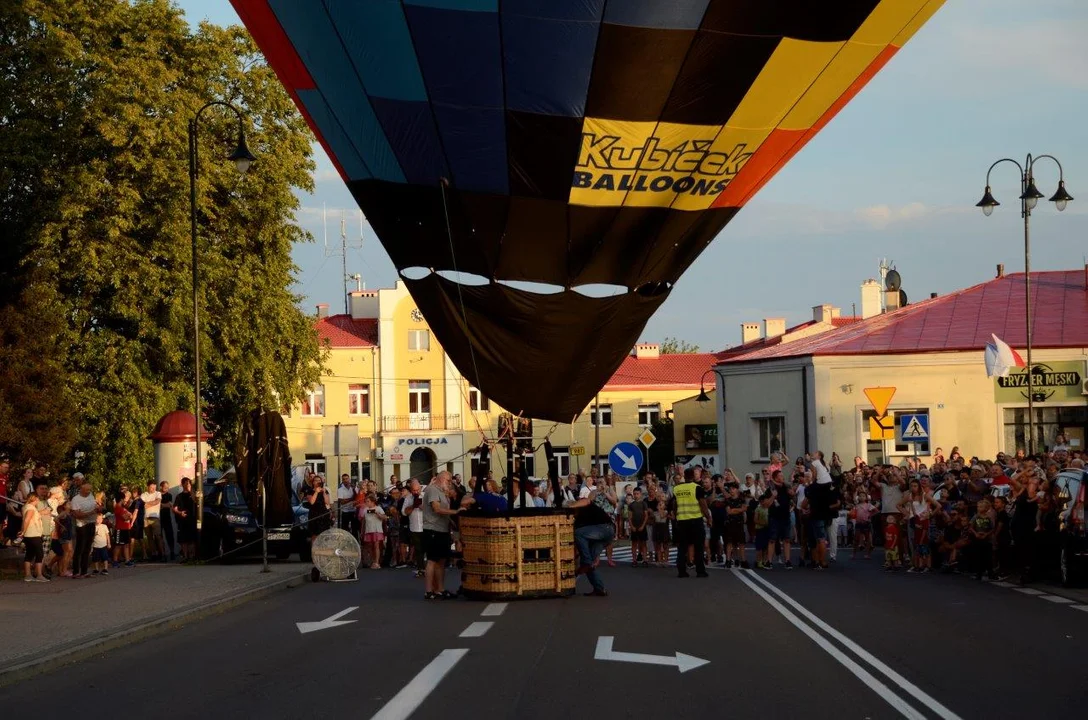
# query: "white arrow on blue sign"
(625, 459)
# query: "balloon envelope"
(566, 142)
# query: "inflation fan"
(336, 556)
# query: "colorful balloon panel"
(566, 142)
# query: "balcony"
(420, 422)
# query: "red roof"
(960, 321)
(684, 369)
(343, 331)
(177, 426)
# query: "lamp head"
(242, 157)
(987, 203)
(1061, 198)
(1031, 195)
(703, 397)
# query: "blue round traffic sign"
(625, 459)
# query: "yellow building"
(809, 394)
(390, 382)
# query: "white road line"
(999, 583)
(1082, 608)
(861, 673)
(1028, 591)
(476, 629)
(493, 610)
(1056, 599)
(861, 652)
(412, 695)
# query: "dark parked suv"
(232, 530)
(1074, 540)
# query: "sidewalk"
(64, 620)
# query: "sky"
(895, 175)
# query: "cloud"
(881, 216)
(327, 175)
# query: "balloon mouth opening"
(653, 289)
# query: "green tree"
(95, 98)
(672, 346)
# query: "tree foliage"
(672, 346)
(95, 100)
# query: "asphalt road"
(851, 642)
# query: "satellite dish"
(893, 281)
(336, 554)
(902, 298)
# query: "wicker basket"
(521, 555)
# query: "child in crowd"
(1002, 539)
(373, 529)
(63, 532)
(863, 525)
(763, 532)
(982, 544)
(100, 546)
(891, 546)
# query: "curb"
(84, 648)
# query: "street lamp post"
(242, 159)
(1029, 198)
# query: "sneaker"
(29, 579)
(105, 572)
(130, 563)
(596, 593)
(788, 565)
(728, 563)
(744, 565)
(41, 578)
(95, 572)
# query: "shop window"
(649, 414)
(1072, 422)
(767, 436)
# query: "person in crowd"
(100, 546)
(716, 501)
(659, 508)
(185, 514)
(918, 506)
(166, 519)
(638, 517)
(781, 512)
(762, 525)
(735, 511)
(32, 531)
(346, 507)
(63, 534)
(123, 517)
(373, 529)
(153, 546)
(982, 547)
(891, 545)
(412, 508)
(437, 539)
(863, 514)
(84, 509)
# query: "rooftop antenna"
(885, 266)
(342, 251)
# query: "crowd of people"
(67, 530)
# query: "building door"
(422, 465)
(419, 405)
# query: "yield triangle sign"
(880, 397)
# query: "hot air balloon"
(563, 142)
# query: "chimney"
(749, 332)
(322, 310)
(870, 298)
(774, 327)
(647, 351)
(824, 313)
(363, 304)
(1001, 270)
(932, 296)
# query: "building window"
(606, 416)
(601, 463)
(358, 399)
(419, 339)
(419, 397)
(562, 461)
(768, 435)
(314, 404)
(316, 463)
(358, 467)
(477, 401)
(649, 414)
(526, 461)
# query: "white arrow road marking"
(628, 461)
(412, 695)
(329, 622)
(680, 661)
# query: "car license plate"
(279, 536)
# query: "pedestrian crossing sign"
(914, 427)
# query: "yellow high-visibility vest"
(687, 506)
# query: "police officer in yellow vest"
(689, 508)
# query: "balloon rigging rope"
(443, 183)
